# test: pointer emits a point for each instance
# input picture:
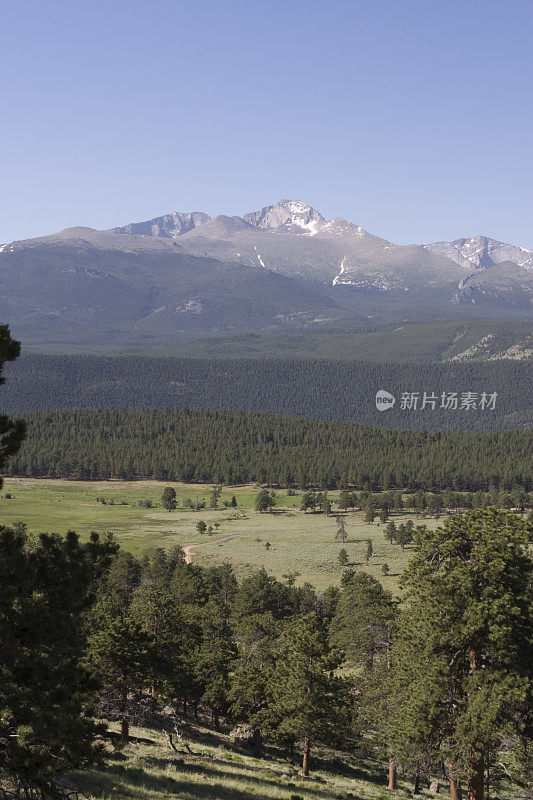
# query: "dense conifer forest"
(319, 389)
(155, 642)
(231, 447)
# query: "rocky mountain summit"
(480, 252)
(284, 266)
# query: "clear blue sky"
(412, 118)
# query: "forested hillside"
(319, 389)
(234, 447)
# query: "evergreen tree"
(341, 534)
(390, 531)
(369, 550)
(370, 514)
(119, 652)
(168, 498)
(309, 501)
(342, 558)
(216, 491)
(48, 586)
(265, 501)
(463, 650)
(214, 659)
(361, 627)
(307, 702)
(154, 609)
(12, 432)
(256, 638)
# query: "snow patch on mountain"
(259, 257)
(290, 216)
(337, 279)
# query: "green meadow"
(284, 541)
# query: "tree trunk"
(393, 775)
(416, 787)
(305, 760)
(257, 742)
(124, 724)
(475, 774)
(455, 786)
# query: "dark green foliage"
(47, 588)
(361, 627)
(391, 532)
(11, 431)
(318, 389)
(239, 447)
(168, 498)
(462, 657)
(369, 550)
(265, 501)
(306, 701)
(343, 558)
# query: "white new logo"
(384, 400)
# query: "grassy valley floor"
(287, 540)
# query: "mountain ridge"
(282, 267)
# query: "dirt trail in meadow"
(188, 547)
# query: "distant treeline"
(234, 447)
(317, 389)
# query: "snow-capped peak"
(291, 216)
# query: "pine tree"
(256, 638)
(369, 550)
(343, 558)
(341, 534)
(307, 702)
(48, 585)
(214, 659)
(12, 432)
(265, 501)
(168, 498)
(463, 652)
(390, 531)
(119, 652)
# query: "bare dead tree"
(341, 534)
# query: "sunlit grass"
(298, 542)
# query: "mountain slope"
(480, 251)
(166, 280)
(84, 283)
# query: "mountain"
(172, 278)
(83, 286)
(510, 285)
(481, 252)
(169, 226)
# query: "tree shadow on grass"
(135, 781)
